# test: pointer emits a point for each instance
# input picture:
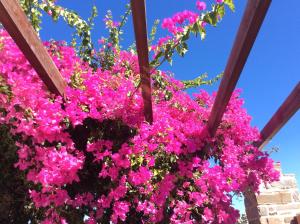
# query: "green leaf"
(221, 11)
(169, 59)
(230, 4)
(202, 33)
(186, 36)
(196, 28)
(211, 18)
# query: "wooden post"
(251, 22)
(298, 219)
(17, 25)
(289, 107)
(140, 30)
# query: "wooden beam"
(140, 30)
(17, 25)
(251, 22)
(298, 219)
(289, 107)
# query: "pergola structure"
(15, 22)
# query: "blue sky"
(270, 74)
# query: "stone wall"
(277, 203)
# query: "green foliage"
(217, 13)
(164, 163)
(180, 44)
(82, 28)
(32, 12)
(111, 44)
(153, 32)
(83, 43)
(4, 88)
(124, 19)
(201, 80)
(160, 83)
(82, 40)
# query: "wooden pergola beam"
(289, 107)
(140, 30)
(17, 25)
(251, 22)
(298, 219)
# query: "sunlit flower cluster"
(92, 152)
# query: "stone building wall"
(277, 203)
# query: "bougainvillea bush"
(91, 157)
